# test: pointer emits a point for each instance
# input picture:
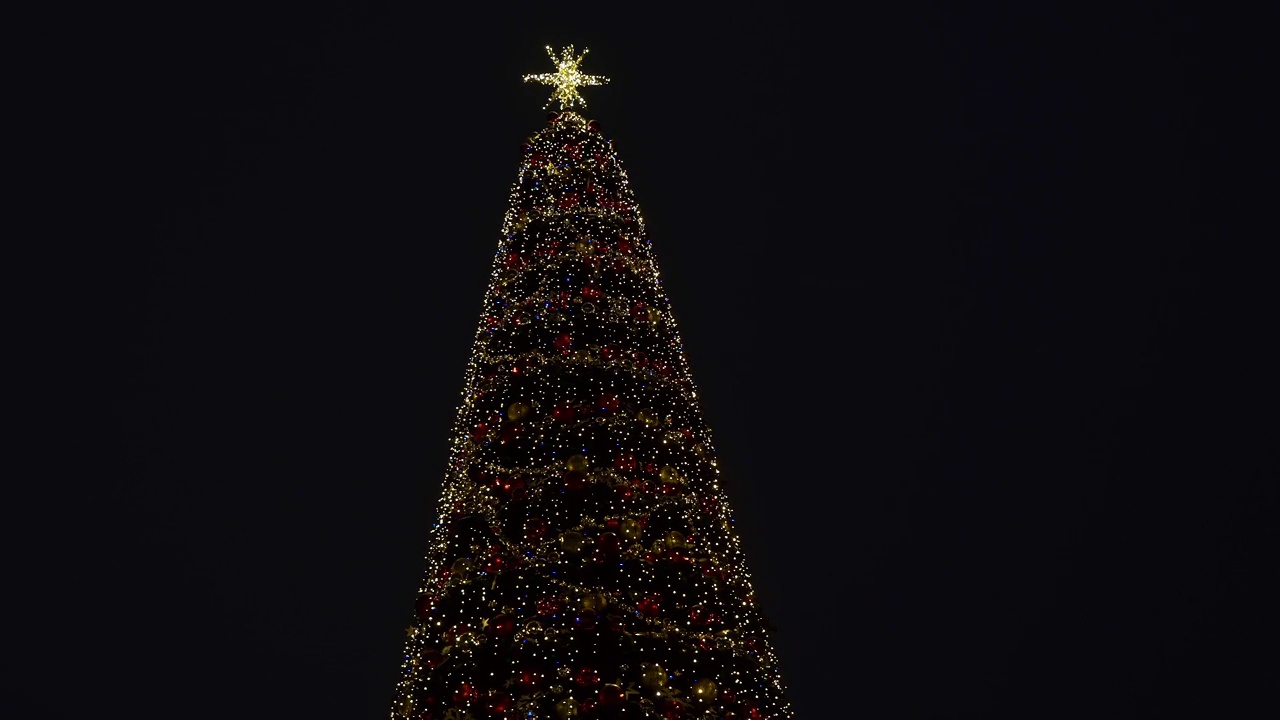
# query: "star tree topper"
(567, 78)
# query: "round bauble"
(518, 410)
(577, 463)
(535, 528)
(649, 606)
(611, 696)
(593, 602)
(465, 694)
(608, 544)
(630, 529)
(587, 677)
(704, 690)
(653, 676)
(572, 542)
(575, 480)
(528, 679)
(498, 703)
(567, 708)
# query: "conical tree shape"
(585, 563)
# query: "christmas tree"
(585, 563)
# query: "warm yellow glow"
(567, 78)
(583, 504)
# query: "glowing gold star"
(567, 78)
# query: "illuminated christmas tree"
(585, 563)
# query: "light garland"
(567, 78)
(585, 562)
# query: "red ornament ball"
(563, 342)
(498, 703)
(575, 480)
(608, 543)
(548, 606)
(587, 677)
(611, 696)
(535, 528)
(608, 403)
(562, 412)
(465, 694)
(672, 709)
(650, 606)
(528, 679)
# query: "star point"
(567, 78)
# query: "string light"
(567, 78)
(584, 562)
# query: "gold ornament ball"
(654, 315)
(704, 690)
(653, 676)
(630, 529)
(594, 602)
(407, 706)
(572, 542)
(648, 418)
(567, 708)
(674, 539)
(462, 566)
(577, 463)
(668, 474)
(517, 410)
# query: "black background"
(978, 302)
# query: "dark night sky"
(976, 302)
